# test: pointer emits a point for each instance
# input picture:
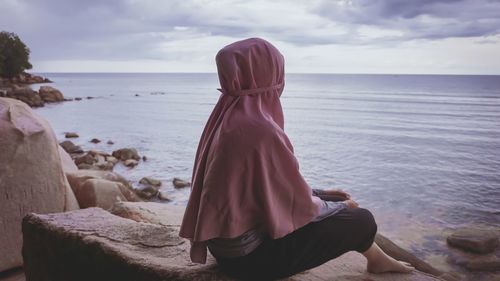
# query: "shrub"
(14, 55)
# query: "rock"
(85, 166)
(474, 240)
(110, 142)
(149, 212)
(100, 193)
(76, 179)
(70, 147)
(31, 175)
(78, 99)
(89, 98)
(178, 183)
(71, 135)
(401, 254)
(92, 244)
(94, 140)
(130, 163)
(50, 94)
(144, 158)
(163, 196)
(67, 163)
(477, 262)
(112, 160)
(147, 192)
(26, 95)
(85, 159)
(150, 181)
(126, 154)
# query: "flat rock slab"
(92, 244)
(474, 240)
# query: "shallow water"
(425, 149)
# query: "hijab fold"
(245, 174)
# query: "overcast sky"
(319, 36)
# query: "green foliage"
(14, 55)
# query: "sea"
(422, 152)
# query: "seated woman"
(249, 204)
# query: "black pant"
(306, 247)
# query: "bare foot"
(380, 262)
(388, 264)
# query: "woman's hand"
(334, 195)
(351, 204)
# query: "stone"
(178, 183)
(89, 98)
(130, 163)
(85, 159)
(50, 94)
(163, 196)
(401, 254)
(85, 166)
(150, 181)
(112, 160)
(67, 163)
(475, 262)
(70, 147)
(150, 212)
(31, 175)
(110, 142)
(126, 154)
(77, 178)
(475, 240)
(71, 135)
(100, 193)
(147, 192)
(26, 95)
(78, 99)
(94, 140)
(92, 244)
(144, 158)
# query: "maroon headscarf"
(245, 174)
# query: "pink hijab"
(245, 174)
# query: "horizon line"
(301, 73)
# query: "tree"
(14, 55)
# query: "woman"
(249, 204)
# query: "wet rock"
(92, 244)
(144, 158)
(94, 140)
(31, 175)
(163, 196)
(179, 183)
(112, 160)
(150, 181)
(78, 99)
(50, 94)
(477, 262)
(89, 98)
(85, 159)
(147, 192)
(70, 147)
(71, 135)
(110, 142)
(26, 95)
(126, 154)
(130, 163)
(474, 240)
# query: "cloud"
(416, 19)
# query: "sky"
(315, 36)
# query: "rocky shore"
(18, 88)
(82, 221)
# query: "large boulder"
(31, 175)
(92, 244)
(26, 95)
(125, 154)
(50, 94)
(476, 240)
(94, 188)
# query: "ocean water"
(421, 151)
